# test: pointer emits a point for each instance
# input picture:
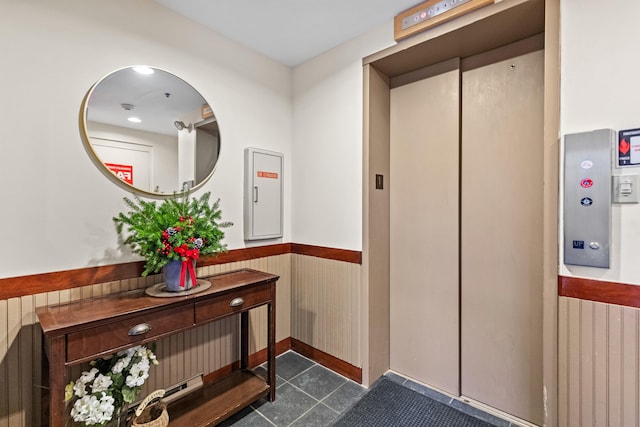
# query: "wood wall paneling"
(4, 368)
(599, 350)
(599, 372)
(599, 291)
(325, 310)
(327, 253)
(204, 350)
(13, 287)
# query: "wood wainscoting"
(326, 306)
(328, 361)
(205, 350)
(14, 287)
(599, 291)
(598, 353)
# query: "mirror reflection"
(150, 131)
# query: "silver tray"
(160, 289)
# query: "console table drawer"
(230, 303)
(122, 333)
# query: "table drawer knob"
(140, 329)
(236, 302)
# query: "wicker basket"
(155, 415)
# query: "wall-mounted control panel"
(587, 197)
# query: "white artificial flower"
(101, 383)
(138, 374)
(94, 416)
(88, 376)
(92, 411)
(129, 352)
(81, 410)
(93, 405)
(121, 364)
(106, 408)
(79, 389)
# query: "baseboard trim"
(325, 359)
(256, 359)
(261, 356)
(220, 373)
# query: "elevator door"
(466, 230)
(423, 189)
(501, 229)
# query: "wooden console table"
(84, 330)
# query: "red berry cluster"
(167, 247)
(187, 219)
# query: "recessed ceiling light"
(143, 69)
(134, 120)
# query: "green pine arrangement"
(178, 228)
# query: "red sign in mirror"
(124, 172)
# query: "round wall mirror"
(150, 131)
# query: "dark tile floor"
(309, 395)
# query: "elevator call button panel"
(587, 197)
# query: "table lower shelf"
(216, 402)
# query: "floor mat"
(390, 404)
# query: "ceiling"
(158, 100)
(290, 31)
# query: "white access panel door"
(263, 194)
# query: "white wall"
(600, 88)
(56, 207)
(327, 143)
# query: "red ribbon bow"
(188, 255)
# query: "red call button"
(586, 183)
